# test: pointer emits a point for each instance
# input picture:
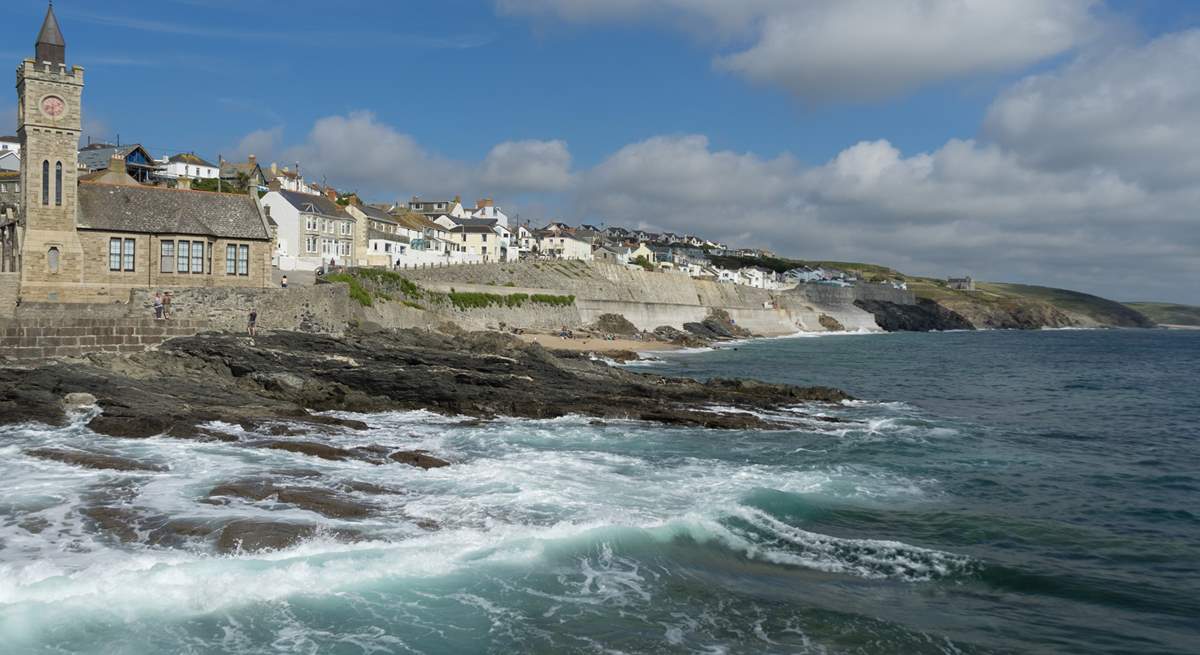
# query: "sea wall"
(653, 299)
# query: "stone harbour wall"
(38, 338)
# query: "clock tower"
(48, 126)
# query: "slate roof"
(377, 214)
(417, 222)
(9, 139)
(97, 156)
(158, 210)
(372, 233)
(472, 229)
(311, 204)
(475, 222)
(190, 158)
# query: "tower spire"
(50, 44)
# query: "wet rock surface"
(191, 381)
(322, 501)
(91, 460)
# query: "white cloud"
(828, 50)
(533, 166)
(360, 153)
(1135, 110)
(263, 144)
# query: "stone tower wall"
(54, 139)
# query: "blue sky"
(592, 88)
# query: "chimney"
(457, 199)
(250, 159)
(117, 163)
(483, 202)
(274, 168)
(274, 185)
(183, 182)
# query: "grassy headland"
(1168, 313)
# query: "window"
(197, 256)
(167, 255)
(58, 183)
(129, 245)
(310, 244)
(310, 224)
(243, 260)
(45, 183)
(114, 254)
(484, 237)
(184, 248)
(52, 260)
(231, 259)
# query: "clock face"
(53, 106)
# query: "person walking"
(158, 306)
(283, 282)
(252, 324)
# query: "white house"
(726, 275)
(10, 160)
(188, 164)
(485, 208)
(562, 245)
(757, 277)
(385, 249)
(290, 180)
(10, 143)
(312, 230)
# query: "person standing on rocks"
(158, 306)
(252, 324)
(167, 305)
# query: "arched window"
(58, 183)
(52, 260)
(45, 182)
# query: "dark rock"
(93, 460)
(310, 448)
(830, 323)
(313, 499)
(614, 324)
(418, 459)
(925, 316)
(254, 536)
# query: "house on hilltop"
(313, 230)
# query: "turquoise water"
(992, 492)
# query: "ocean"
(989, 492)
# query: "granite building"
(96, 238)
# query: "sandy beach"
(554, 342)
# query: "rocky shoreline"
(279, 387)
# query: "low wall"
(323, 308)
(37, 338)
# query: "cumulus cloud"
(532, 166)
(1132, 110)
(963, 208)
(359, 152)
(831, 50)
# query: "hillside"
(992, 304)
(1167, 313)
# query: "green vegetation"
(1167, 313)
(357, 290)
(644, 263)
(557, 301)
(1099, 309)
(477, 300)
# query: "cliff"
(1167, 313)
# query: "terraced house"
(312, 230)
(98, 237)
